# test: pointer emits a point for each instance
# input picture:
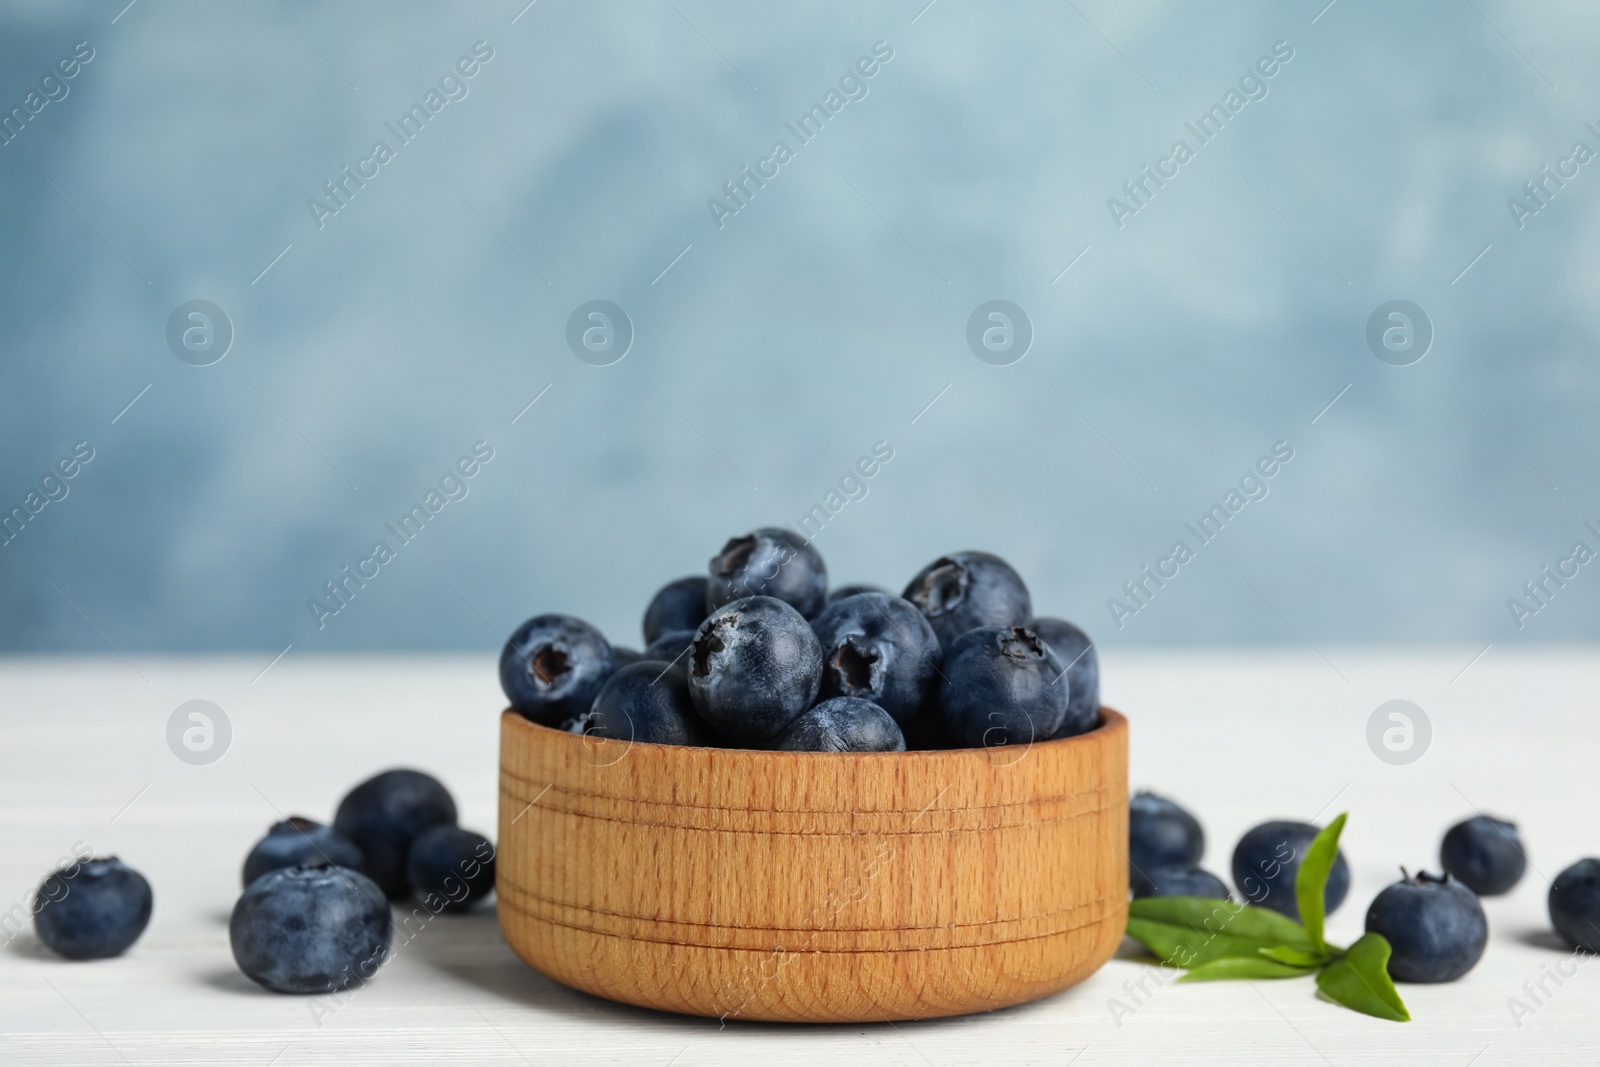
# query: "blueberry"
(679, 605)
(1575, 904)
(1484, 854)
(1179, 882)
(670, 646)
(1002, 686)
(965, 590)
(928, 732)
(1160, 834)
(1265, 862)
(755, 666)
(310, 929)
(839, 592)
(646, 701)
(92, 909)
(621, 657)
(1077, 654)
(880, 648)
(843, 724)
(769, 562)
(451, 865)
(1434, 925)
(384, 814)
(297, 841)
(553, 666)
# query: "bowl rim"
(1111, 720)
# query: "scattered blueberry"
(1575, 904)
(1265, 862)
(679, 605)
(92, 909)
(646, 701)
(755, 666)
(384, 814)
(839, 592)
(1160, 834)
(297, 841)
(670, 646)
(879, 647)
(1179, 882)
(553, 666)
(770, 562)
(1002, 686)
(1434, 925)
(965, 590)
(310, 929)
(452, 865)
(1077, 654)
(843, 724)
(1484, 854)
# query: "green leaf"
(1361, 982)
(1297, 957)
(1190, 931)
(1244, 967)
(1243, 920)
(1312, 878)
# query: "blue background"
(823, 317)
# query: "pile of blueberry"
(314, 916)
(1434, 923)
(757, 653)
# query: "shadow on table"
(1131, 951)
(1538, 937)
(28, 946)
(232, 980)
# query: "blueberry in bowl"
(384, 814)
(1002, 685)
(880, 648)
(966, 590)
(1179, 882)
(755, 666)
(1484, 854)
(678, 605)
(770, 562)
(928, 732)
(1266, 860)
(297, 841)
(1574, 903)
(312, 929)
(1077, 654)
(450, 868)
(1434, 925)
(646, 701)
(1161, 834)
(92, 909)
(670, 646)
(843, 724)
(552, 667)
(839, 592)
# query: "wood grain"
(813, 887)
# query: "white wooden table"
(1237, 737)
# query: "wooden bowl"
(813, 887)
